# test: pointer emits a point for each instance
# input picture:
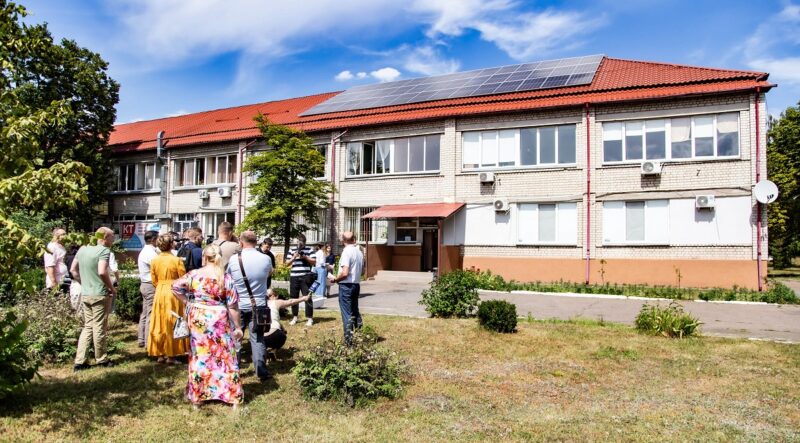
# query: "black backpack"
(185, 252)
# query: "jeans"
(257, 348)
(298, 286)
(348, 304)
(322, 279)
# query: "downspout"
(588, 194)
(332, 209)
(758, 204)
(160, 160)
(439, 242)
(240, 205)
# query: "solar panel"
(504, 79)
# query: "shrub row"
(777, 292)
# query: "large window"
(550, 145)
(406, 230)
(325, 151)
(376, 231)
(547, 223)
(182, 222)
(205, 171)
(631, 222)
(212, 220)
(137, 177)
(316, 232)
(700, 137)
(389, 156)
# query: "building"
(591, 169)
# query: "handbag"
(261, 314)
(181, 328)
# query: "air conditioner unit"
(704, 202)
(203, 194)
(651, 168)
(224, 191)
(501, 205)
(487, 177)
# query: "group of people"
(220, 290)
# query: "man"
(257, 268)
(54, 266)
(266, 248)
(351, 263)
(90, 268)
(302, 261)
(192, 252)
(227, 245)
(146, 255)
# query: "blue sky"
(178, 56)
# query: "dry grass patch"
(549, 381)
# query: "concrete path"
(745, 320)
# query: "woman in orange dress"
(164, 270)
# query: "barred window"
(376, 231)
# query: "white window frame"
(209, 174)
(325, 150)
(517, 149)
(135, 168)
(181, 222)
(415, 228)
(668, 140)
(211, 220)
(378, 229)
(650, 207)
(561, 217)
(359, 145)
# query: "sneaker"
(310, 322)
(294, 321)
(80, 367)
(107, 364)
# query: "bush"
(780, 293)
(53, 328)
(670, 321)
(281, 273)
(17, 367)
(129, 299)
(453, 294)
(498, 315)
(353, 375)
(32, 278)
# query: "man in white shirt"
(146, 255)
(54, 266)
(351, 264)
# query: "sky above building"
(174, 57)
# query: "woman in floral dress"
(213, 309)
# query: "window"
(374, 230)
(137, 177)
(182, 222)
(543, 223)
(547, 145)
(631, 222)
(701, 137)
(400, 155)
(324, 150)
(212, 220)
(206, 170)
(316, 232)
(406, 230)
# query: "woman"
(164, 269)
(213, 307)
(321, 269)
(330, 264)
(275, 338)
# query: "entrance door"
(430, 249)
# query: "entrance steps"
(404, 276)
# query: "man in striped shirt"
(302, 260)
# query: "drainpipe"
(240, 205)
(588, 194)
(331, 209)
(160, 161)
(758, 204)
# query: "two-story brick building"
(638, 173)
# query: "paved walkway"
(759, 321)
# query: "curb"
(626, 297)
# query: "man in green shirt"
(90, 269)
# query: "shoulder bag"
(261, 314)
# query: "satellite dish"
(765, 191)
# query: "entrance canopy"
(422, 210)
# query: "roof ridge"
(678, 65)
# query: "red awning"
(424, 210)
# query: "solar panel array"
(525, 77)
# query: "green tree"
(46, 72)
(783, 168)
(285, 187)
(26, 182)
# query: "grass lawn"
(550, 381)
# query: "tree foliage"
(28, 180)
(285, 188)
(783, 168)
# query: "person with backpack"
(226, 242)
(192, 252)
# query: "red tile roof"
(616, 81)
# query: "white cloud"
(178, 113)
(387, 74)
(773, 46)
(361, 75)
(344, 76)
(427, 60)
